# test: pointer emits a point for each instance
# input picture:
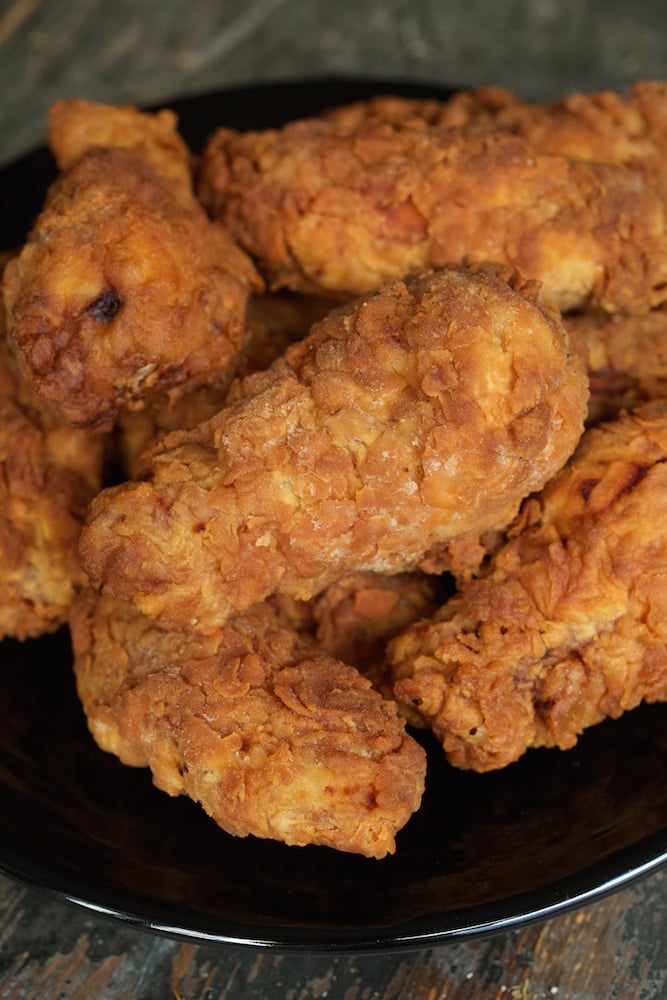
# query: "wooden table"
(615, 948)
(152, 52)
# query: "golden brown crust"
(607, 127)
(340, 208)
(124, 289)
(419, 416)
(568, 627)
(48, 474)
(76, 126)
(138, 432)
(272, 737)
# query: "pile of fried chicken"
(341, 428)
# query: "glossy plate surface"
(485, 852)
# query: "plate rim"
(600, 880)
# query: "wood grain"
(151, 51)
(615, 948)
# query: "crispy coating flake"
(272, 737)
(607, 127)
(341, 207)
(417, 417)
(569, 626)
(124, 289)
(48, 474)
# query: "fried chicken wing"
(607, 127)
(271, 736)
(338, 207)
(124, 289)
(569, 625)
(48, 474)
(419, 416)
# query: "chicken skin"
(76, 126)
(270, 735)
(569, 625)
(322, 205)
(124, 289)
(625, 129)
(414, 419)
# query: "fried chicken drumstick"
(124, 289)
(271, 736)
(416, 418)
(324, 205)
(569, 626)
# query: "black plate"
(485, 852)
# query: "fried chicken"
(606, 127)
(417, 417)
(340, 208)
(569, 625)
(75, 127)
(272, 323)
(626, 359)
(354, 618)
(124, 289)
(137, 433)
(270, 735)
(48, 474)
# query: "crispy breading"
(271, 736)
(627, 353)
(607, 127)
(138, 432)
(48, 474)
(569, 625)
(77, 126)
(626, 359)
(418, 417)
(339, 207)
(124, 288)
(354, 618)
(272, 323)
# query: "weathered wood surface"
(616, 948)
(153, 50)
(158, 49)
